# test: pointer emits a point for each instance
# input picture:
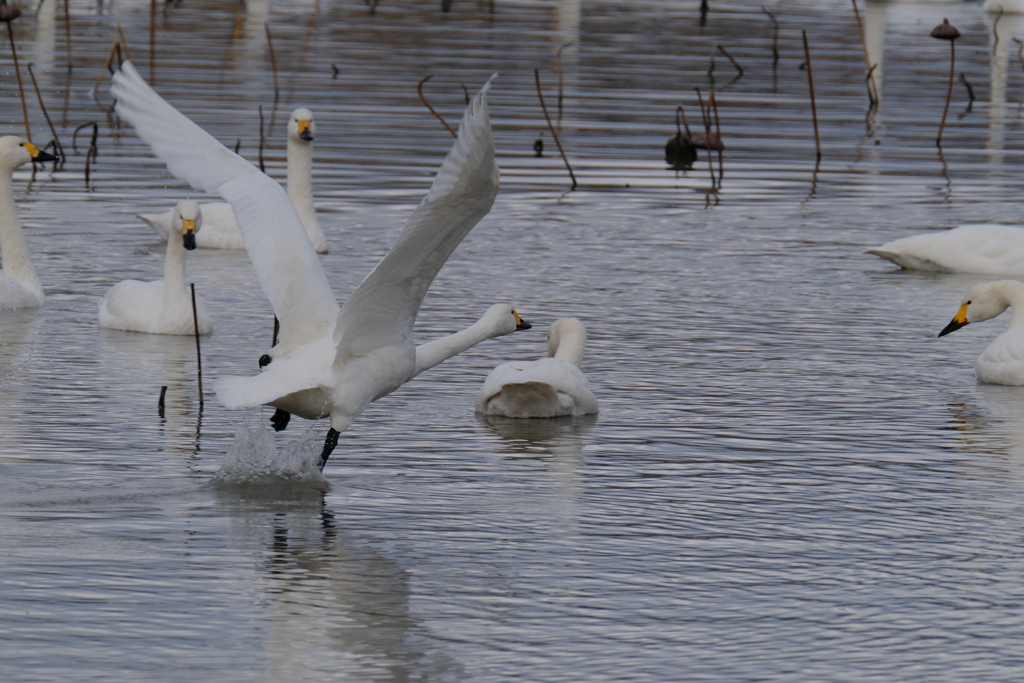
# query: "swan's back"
(549, 387)
(987, 249)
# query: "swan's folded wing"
(286, 264)
(382, 310)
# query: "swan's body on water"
(988, 249)
(1003, 361)
(332, 361)
(550, 387)
(163, 306)
(220, 229)
(19, 284)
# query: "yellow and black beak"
(958, 321)
(188, 233)
(520, 323)
(38, 154)
(305, 130)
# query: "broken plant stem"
(273, 61)
(731, 59)
(423, 99)
(814, 107)
(39, 95)
(21, 89)
(706, 117)
(199, 355)
(540, 96)
(872, 86)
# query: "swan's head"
(502, 319)
(301, 125)
(567, 338)
(981, 302)
(15, 151)
(188, 218)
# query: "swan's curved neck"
(174, 268)
(16, 262)
(300, 181)
(569, 345)
(430, 354)
(1011, 293)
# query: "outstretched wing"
(286, 264)
(382, 310)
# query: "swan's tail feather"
(906, 260)
(156, 221)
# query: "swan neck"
(432, 353)
(300, 181)
(16, 262)
(1011, 293)
(569, 346)
(174, 266)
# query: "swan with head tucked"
(550, 387)
(1003, 361)
(332, 361)
(163, 306)
(220, 229)
(19, 284)
(988, 249)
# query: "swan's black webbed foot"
(329, 443)
(280, 419)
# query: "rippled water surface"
(791, 477)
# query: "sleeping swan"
(164, 306)
(220, 230)
(19, 284)
(1003, 361)
(987, 249)
(549, 387)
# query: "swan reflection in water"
(333, 604)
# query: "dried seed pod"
(8, 13)
(945, 31)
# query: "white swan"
(332, 361)
(988, 249)
(1003, 361)
(19, 284)
(163, 306)
(1007, 6)
(549, 387)
(220, 230)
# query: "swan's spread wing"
(382, 310)
(285, 262)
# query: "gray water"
(791, 477)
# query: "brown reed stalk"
(946, 31)
(706, 117)
(67, 30)
(260, 156)
(540, 96)
(59, 147)
(160, 403)
(273, 60)
(718, 131)
(8, 15)
(423, 99)
(199, 355)
(872, 86)
(731, 59)
(152, 41)
(93, 151)
(814, 107)
(775, 38)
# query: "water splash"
(253, 461)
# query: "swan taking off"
(984, 248)
(164, 306)
(220, 230)
(550, 387)
(331, 361)
(1003, 361)
(19, 284)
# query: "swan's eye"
(968, 303)
(265, 360)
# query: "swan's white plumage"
(983, 248)
(163, 306)
(285, 262)
(19, 284)
(221, 230)
(329, 361)
(1008, 6)
(550, 387)
(1002, 362)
